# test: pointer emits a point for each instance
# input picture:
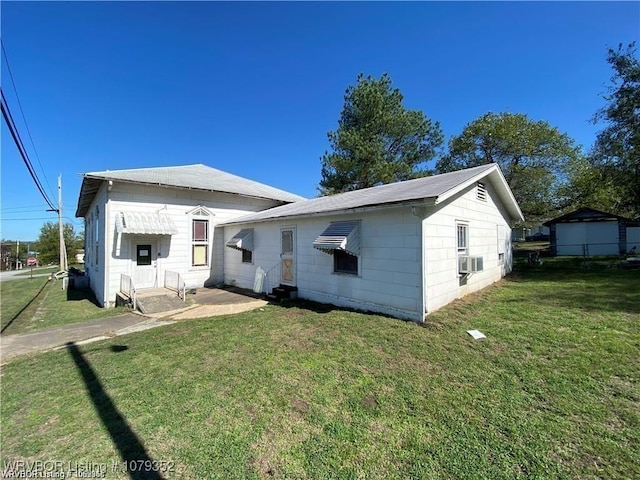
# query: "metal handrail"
(272, 277)
(173, 281)
(128, 288)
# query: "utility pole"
(17, 254)
(63, 257)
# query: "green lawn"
(314, 392)
(31, 304)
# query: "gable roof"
(435, 189)
(194, 177)
(585, 214)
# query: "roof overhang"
(343, 236)
(145, 223)
(243, 240)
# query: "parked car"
(537, 237)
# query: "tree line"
(379, 141)
(45, 248)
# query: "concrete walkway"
(208, 303)
(84, 332)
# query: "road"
(22, 274)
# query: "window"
(143, 255)
(502, 242)
(344, 262)
(200, 243)
(247, 256)
(287, 242)
(463, 238)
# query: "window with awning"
(145, 223)
(243, 240)
(340, 236)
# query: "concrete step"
(159, 304)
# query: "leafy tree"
(533, 156)
(378, 140)
(48, 243)
(588, 186)
(616, 152)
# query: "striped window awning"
(243, 240)
(343, 236)
(145, 223)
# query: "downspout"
(421, 213)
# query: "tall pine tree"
(378, 140)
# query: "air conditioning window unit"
(467, 264)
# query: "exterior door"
(287, 255)
(144, 265)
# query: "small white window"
(462, 230)
(344, 262)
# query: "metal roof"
(435, 189)
(585, 214)
(343, 236)
(243, 240)
(147, 223)
(196, 177)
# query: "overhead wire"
(24, 118)
(6, 113)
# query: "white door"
(287, 255)
(144, 264)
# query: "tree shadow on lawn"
(138, 463)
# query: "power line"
(24, 118)
(8, 118)
(36, 208)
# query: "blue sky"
(253, 88)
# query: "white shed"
(403, 249)
(587, 232)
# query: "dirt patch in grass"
(299, 405)
(369, 401)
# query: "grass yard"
(313, 392)
(29, 305)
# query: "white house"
(403, 249)
(591, 232)
(150, 224)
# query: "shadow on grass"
(24, 308)
(132, 451)
(80, 294)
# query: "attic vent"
(481, 192)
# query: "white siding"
(486, 220)
(173, 251)
(389, 264)
(95, 264)
(591, 238)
